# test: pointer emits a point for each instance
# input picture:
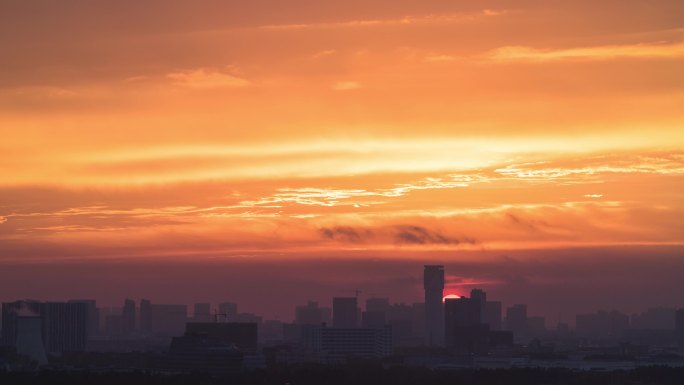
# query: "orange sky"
(226, 128)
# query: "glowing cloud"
(529, 54)
(207, 79)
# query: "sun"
(450, 296)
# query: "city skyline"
(445, 332)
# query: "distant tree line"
(361, 373)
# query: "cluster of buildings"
(224, 339)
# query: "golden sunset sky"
(390, 129)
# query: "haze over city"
(270, 152)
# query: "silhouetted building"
(373, 319)
(433, 283)
(200, 353)
(492, 315)
(270, 330)
(658, 318)
(229, 311)
(309, 314)
(400, 317)
(380, 305)
(464, 331)
(169, 319)
(679, 326)
(498, 338)
(337, 344)
(602, 324)
(146, 316)
(64, 325)
(536, 326)
(480, 296)
(418, 322)
(516, 321)
(292, 332)
(243, 335)
(247, 318)
(114, 326)
(92, 315)
(128, 317)
(345, 312)
(202, 312)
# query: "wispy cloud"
(324, 53)
(207, 79)
(464, 17)
(440, 58)
(607, 52)
(346, 86)
(662, 163)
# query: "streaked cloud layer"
(179, 129)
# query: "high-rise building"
(418, 321)
(92, 316)
(658, 318)
(64, 325)
(377, 304)
(66, 329)
(400, 318)
(336, 344)
(326, 315)
(602, 324)
(463, 328)
(679, 326)
(309, 314)
(243, 335)
(146, 316)
(492, 315)
(373, 319)
(376, 313)
(516, 321)
(433, 283)
(228, 310)
(113, 325)
(169, 319)
(536, 326)
(128, 317)
(202, 312)
(480, 296)
(345, 312)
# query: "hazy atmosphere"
(269, 152)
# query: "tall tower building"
(433, 282)
(128, 317)
(480, 297)
(492, 314)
